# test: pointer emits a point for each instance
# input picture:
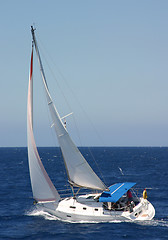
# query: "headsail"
(78, 170)
(42, 187)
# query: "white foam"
(154, 222)
(41, 212)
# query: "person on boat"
(145, 194)
(129, 196)
(109, 204)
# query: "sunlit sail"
(42, 187)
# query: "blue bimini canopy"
(116, 192)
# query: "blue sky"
(113, 59)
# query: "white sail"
(42, 187)
(78, 170)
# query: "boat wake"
(42, 213)
(154, 223)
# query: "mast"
(38, 55)
(31, 83)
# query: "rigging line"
(135, 193)
(66, 82)
(76, 126)
(75, 97)
(97, 165)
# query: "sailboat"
(104, 203)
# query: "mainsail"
(42, 187)
(79, 171)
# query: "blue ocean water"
(19, 218)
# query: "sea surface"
(19, 218)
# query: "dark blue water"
(20, 220)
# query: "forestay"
(79, 172)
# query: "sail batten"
(78, 170)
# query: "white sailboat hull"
(79, 210)
(108, 206)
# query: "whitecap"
(41, 212)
